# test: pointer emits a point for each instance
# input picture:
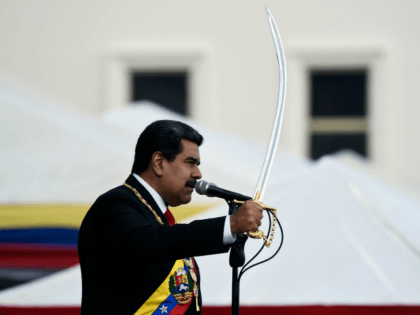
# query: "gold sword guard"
(259, 233)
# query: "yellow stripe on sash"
(161, 293)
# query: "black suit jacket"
(125, 254)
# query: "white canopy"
(227, 160)
(52, 154)
(349, 239)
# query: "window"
(338, 116)
(168, 89)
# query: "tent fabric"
(148, 113)
(335, 252)
(63, 288)
(227, 160)
(51, 154)
(349, 239)
(336, 249)
(53, 162)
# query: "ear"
(156, 163)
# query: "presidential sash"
(173, 296)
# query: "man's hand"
(247, 218)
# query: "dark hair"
(164, 136)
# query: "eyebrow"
(194, 159)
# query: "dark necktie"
(170, 217)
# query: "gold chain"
(259, 233)
(145, 203)
(273, 226)
(187, 262)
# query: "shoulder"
(115, 195)
(117, 208)
(113, 201)
(116, 199)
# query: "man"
(133, 258)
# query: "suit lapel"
(133, 182)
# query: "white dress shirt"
(228, 236)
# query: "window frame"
(306, 56)
(196, 59)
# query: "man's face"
(179, 177)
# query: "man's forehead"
(190, 148)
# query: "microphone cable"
(245, 268)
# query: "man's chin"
(186, 199)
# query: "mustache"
(191, 183)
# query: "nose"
(197, 173)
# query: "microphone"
(211, 190)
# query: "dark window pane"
(338, 93)
(166, 89)
(330, 143)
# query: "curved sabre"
(275, 134)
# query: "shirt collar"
(158, 199)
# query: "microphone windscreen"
(201, 187)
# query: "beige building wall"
(79, 53)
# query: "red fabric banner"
(37, 256)
(246, 310)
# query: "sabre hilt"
(260, 234)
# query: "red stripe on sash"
(180, 309)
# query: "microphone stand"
(236, 260)
(237, 254)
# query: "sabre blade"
(275, 134)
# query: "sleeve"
(127, 231)
(228, 236)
